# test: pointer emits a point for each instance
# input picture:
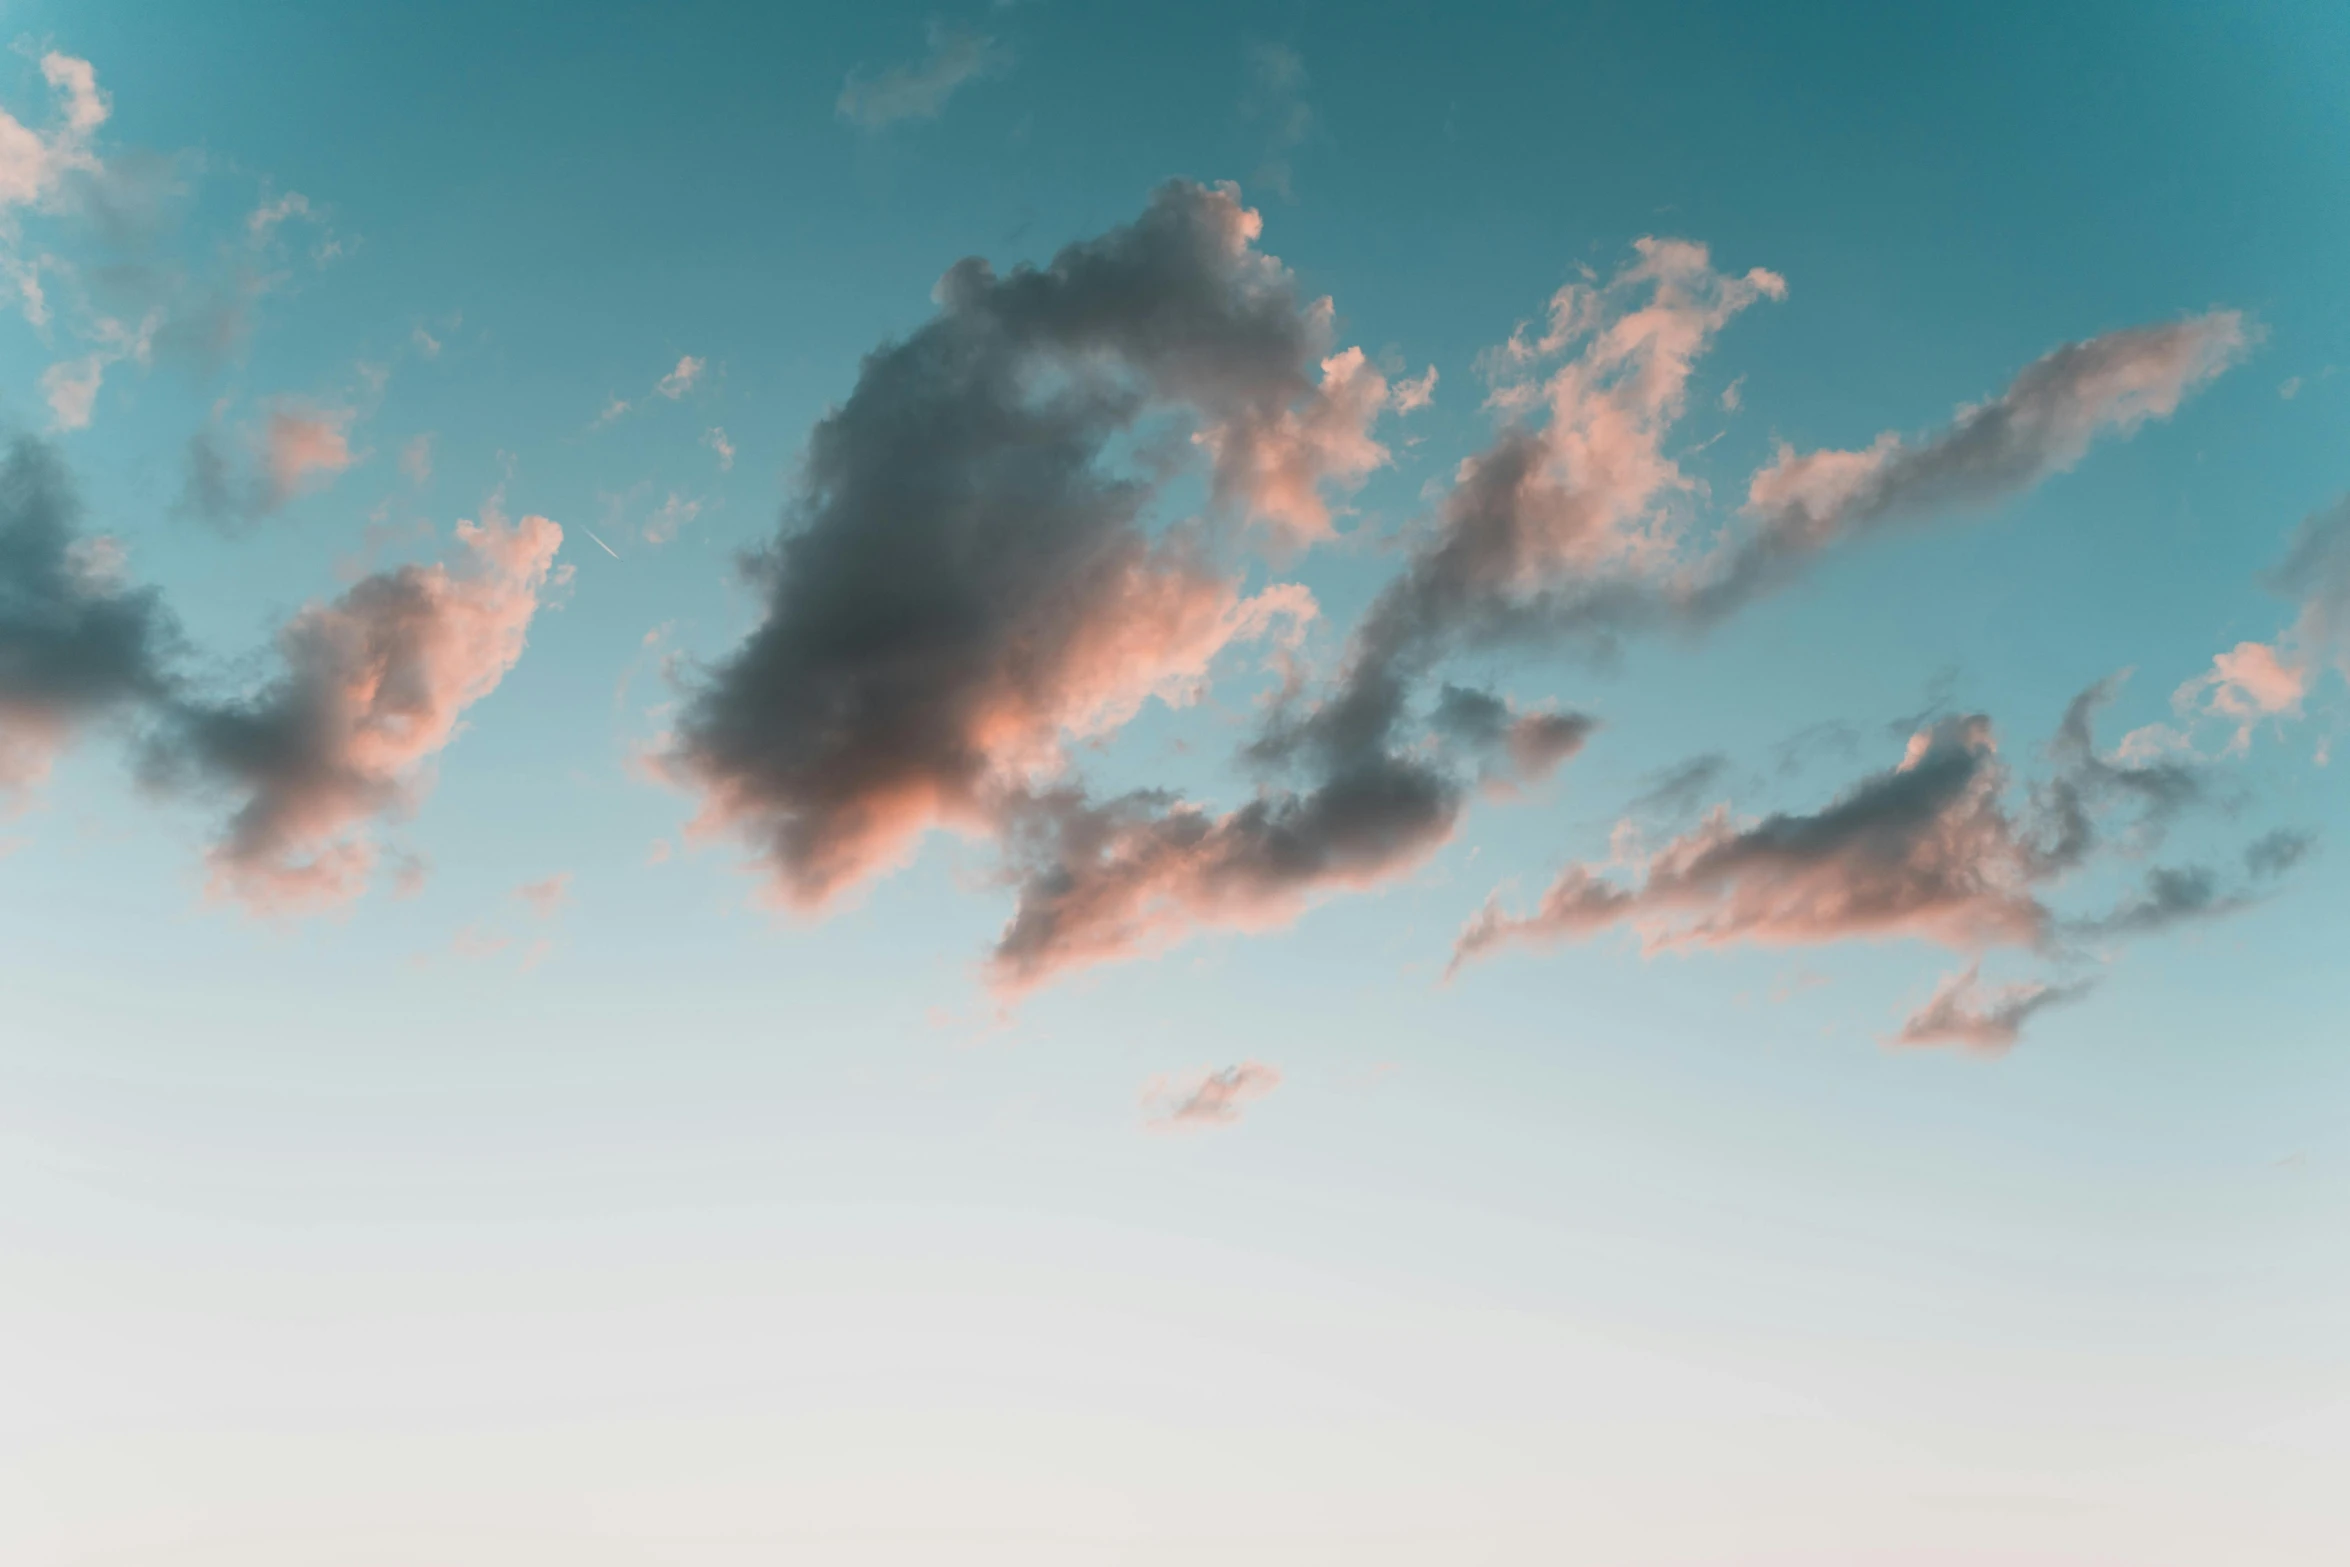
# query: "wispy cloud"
(920, 91)
(1203, 1099)
(681, 380)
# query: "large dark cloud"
(76, 646)
(967, 579)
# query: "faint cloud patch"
(1194, 1100)
(920, 91)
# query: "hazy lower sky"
(1173, 784)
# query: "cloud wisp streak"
(920, 91)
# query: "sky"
(1170, 784)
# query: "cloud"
(2277, 852)
(716, 440)
(34, 165)
(546, 898)
(71, 390)
(416, 459)
(1413, 394)
(263, 220)
(669, 517)
(920, 91)
(1204, 1099)
(1964, 1011)
(1925, 849)
(1105, 881)
(1678, 790)
(2256, 681)
(1102, 882)
(966, 583)
(71, 386)
(681, 380)
(1276, 100)
(77, 647)
(2170, 896)
(2041, 425)
(294, 448)
(375, 686)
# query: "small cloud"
(71, 388)
(546, 898)
(299, 443)
(674, 513)
(263, 220)
(477, 941)
(408, 873)
(681, 380)
(1206, 1098)
(716, 440)
(1412, 395)
(2291, 389)
(416, 459)
(426, 344)
(921, 91)
(1733, 395)
(614, 409)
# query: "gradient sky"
(1557, 785)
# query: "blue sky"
(423, 1142)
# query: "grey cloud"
(1680, 789)
(2274, 853)
(966, 579)
(76, 647)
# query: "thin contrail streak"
(606, 548)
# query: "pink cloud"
(1924, 850)
(300, 443)
(1964, 1011)
(375, 686)
(1196, 1100)
(546, 898)
(2244, 685)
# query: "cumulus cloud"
(921, 90)
(966, 582)
(1203, 1099)
(1964, 1011)
(374, 687)
(77, 646)
(716, 440)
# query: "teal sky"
(1710, 1075)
